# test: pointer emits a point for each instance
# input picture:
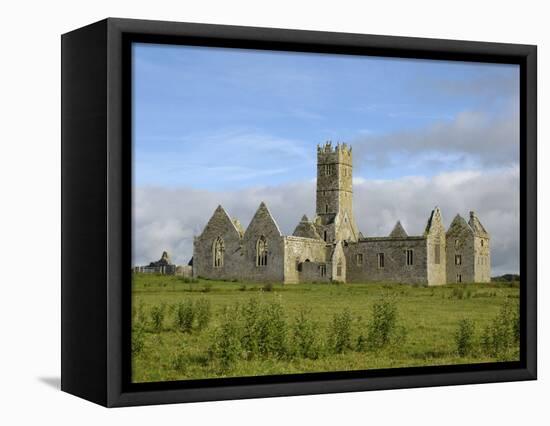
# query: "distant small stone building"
(162, 266)
(330, 247)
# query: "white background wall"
(30, 211)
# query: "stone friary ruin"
(331, 248)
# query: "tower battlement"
(328, 153)
(329, 148)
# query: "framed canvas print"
(254, 212)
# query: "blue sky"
(216, 118)
(237, 127)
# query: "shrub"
(203, 313)
(464, 337)
(157, 316)
(185, 315)
(502, 333)
(242, 287)
(251, 317)
(339, 333)
(264, 329)
(179, 362)
(138, 340)
(268, 287)
(383, 325)
(304, 337)
(139, 316)
(272, 330)
(516, 325)
(207, 288)
(457, 293)
(226, 346)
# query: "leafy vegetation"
(182, 332)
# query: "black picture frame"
(96, 213)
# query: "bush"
(502, 333)
(138, 340)
(157, 317)
(268, 287)
(516, 325)
(139, 316)
(499, 337)
(304, 337)
(203, 313)
(383, 325)
(179, 362)
(251, 318)
(264, 329)
(207, 288)
(339, 333)
(272, 331)
(464, 337)
(226, 346)
(185, 315)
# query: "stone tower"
(335, 221)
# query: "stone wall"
(263, 225)
(395, 267)
(299, 251)
(460, 242)
(219, 225)
(185, 271)
(436, 249)
(311, 272)
(482, 265)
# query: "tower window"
(325, 236)
(481, 243)
(326, 208)
(218, 250)
(458, 278)
(328, 169)
(380, 257)
(261, 252)
(409, 254)
(359, 259)
(323, 270)
(458, 259)
(457, 243)
(437, 254)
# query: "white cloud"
(471, 139)
(167, 219)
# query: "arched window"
(261, 252)
(218, 250)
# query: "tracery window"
(218, 251)
(261, 252)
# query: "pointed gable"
(306, 229)
(398, 231)
(219, 224)
(344, 227)
(435, 222)
(458, 225)
(477, 227)
(262, 223)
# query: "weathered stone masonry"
(330, 247)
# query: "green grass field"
(427, 321)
